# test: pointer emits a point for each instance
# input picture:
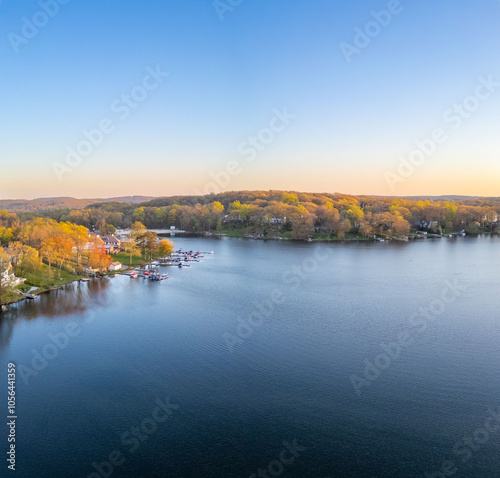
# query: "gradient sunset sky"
(230, 70)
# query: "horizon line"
(152, 197)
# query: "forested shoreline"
(42, 253)
(292, 215)
(67, 240)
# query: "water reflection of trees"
(74, 298)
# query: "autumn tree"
(6, 235)
(365, 229)
(99, 260)
(137, 229)
(48, 250)
(382, 222)
(165, 247)
(64, 246)
(80, 237)
(401, 226)
(8, 219)
(343, 228)
(302, 224)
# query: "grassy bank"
(124, 258)
(39, 279)
(10, 295)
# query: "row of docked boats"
(153, 275)
(178, 258)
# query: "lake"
(267, 359)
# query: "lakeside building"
(111, 243)
(9, 279)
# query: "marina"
(179, 259)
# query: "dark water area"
(298, 360)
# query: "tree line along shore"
(291, 215)
(51, 247)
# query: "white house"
(111, 243)
(7, 278)
(115, 266)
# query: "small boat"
(30, 296)
(159, 277)
(85, 279)
(133, 275)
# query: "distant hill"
(44, 204)
(130, 199)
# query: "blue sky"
(227, 78)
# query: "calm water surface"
(241, 393)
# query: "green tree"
(149, 245)
(132, 249)
(139, 214)
(29, 260)
(137, 229)
(290, 198)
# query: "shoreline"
(409, 238)
(39, 292)
(412, 238)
